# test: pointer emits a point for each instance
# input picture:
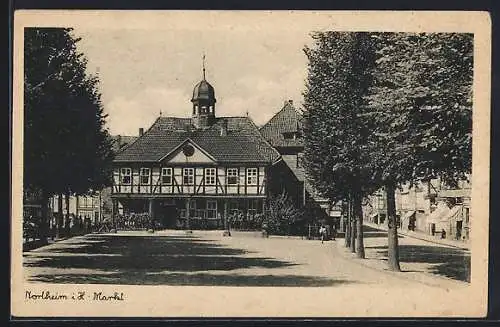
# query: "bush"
(281, 216)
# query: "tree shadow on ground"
(370, 232)
(198, 279)
(152, 260)
(162, 245)
(445, 261)
(152, 254)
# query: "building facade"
(195, 172)
(431, 207)
(78, 206)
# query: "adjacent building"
(431, 207)
(284, 132)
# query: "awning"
(456, 193)
(441, 210)
(335, 213)
(408, 214)
(453, 212)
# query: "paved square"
(206, 258)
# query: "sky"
(143, 72)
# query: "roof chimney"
(141, 131)
(223, 128)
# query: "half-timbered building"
(187, 172)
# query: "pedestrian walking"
(443, 233)
(334, 232)
(322, 233)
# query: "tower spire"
(203, 65)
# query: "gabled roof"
(287, 120)
(243, 142)
(181, 145)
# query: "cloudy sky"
(144, 71)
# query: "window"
(251, 176)
(188, 176)
(209, 176)
(300, 157)
(232, 176)
(126, 175)
(211, 209)
(289, 135)
(381, 202)
(145, 175)
(166, 176)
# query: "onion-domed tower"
(203, 103)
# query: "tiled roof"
(243, 142)
(121, 141)
(287, 120)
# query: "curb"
(435, 242)
(422, 238)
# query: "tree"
(67, 149)
(335, 134)
(421, 106)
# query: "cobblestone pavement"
(206, 258)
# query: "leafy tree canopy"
(421, 106)
(339, 75)
(66, 145)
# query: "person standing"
(322, 233)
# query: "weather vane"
(203, 65)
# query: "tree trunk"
(66, 223)
(358, 214)
(59, 216)
(347, 225)
(353, 228)
(392, 230)
(44, 219)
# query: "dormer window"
(289, 135)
